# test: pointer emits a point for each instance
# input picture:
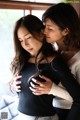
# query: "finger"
(18, 82)
(36, 93)
(35, 90)
(44, 77)
(32, 89)
(33, 85)
(36, 86)
(18, 77)
(18, 90)
(18, 87)
(38, 82)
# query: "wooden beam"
(23, 5)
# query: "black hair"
(65, 16)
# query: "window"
(8, 18)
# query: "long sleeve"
(71, 85)
(74, 65)
(75, 69)
(60, 92)
(66, 78)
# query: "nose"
(45, 31)
(26, 42)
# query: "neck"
(33, 58)
(62, 46)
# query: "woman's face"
(53, 33)
(28, 42)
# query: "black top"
(29, 103)
(57, 71)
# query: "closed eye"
(29, 37)
(49, 28)
(20, 40)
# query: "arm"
(60, 92)
(72, 87)
(50, 87)
(66, 78)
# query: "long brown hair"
(34, 25)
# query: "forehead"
(50, 23)
(22, 32)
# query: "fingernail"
(40, 75)
(34, 79)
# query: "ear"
(42, 31)
(65, 31)
(42, 34)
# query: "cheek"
(56, 36)
(37, 46)
(23, 45)
(53, 36)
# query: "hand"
(42, 88)
(16, 83)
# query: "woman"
(62, 25)
(32, 56)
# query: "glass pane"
(38, 13)
(7, 20)
(27, 12)
(44, 1)
(49, 1)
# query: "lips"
(47, 37)
(30, 49)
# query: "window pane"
(27, 12)
(45, 1)
(7, 20)
(38, 13)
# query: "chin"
(48, 41)
(32, 54)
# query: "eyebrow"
(24, 36)
(48, 25)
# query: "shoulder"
(58, 60)
(75, 67)
(59, 64)
(74, 62)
